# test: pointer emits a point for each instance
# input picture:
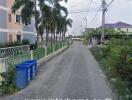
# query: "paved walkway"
(74, 74)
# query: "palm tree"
(41, 32)
(58, 16)
(67, 22)
(28, 10)
(47, 19)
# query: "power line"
(83, 11)
(79, 12)
(90, 5)
(88, 12)
(94, 18)
(110, 3)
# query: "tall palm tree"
(67, 22)
(28, 10)
(51, 17)
(57, 13)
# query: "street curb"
(47, 58)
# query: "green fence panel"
(39, 53)
(49, 50)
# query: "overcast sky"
(120, 10)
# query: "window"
(9, 17)
(18, 37)
(18, 18)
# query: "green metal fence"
(40, 52)
(15, 55)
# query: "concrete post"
(31, 52)
(53, 48)
(3, 67)
(46, 51)
(62, 44)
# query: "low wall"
(45, 59)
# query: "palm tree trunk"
(51, 40)
(36, 24)
(60, 36)
(47, 35)
(54, 38)
(41, 40)
(64, 36)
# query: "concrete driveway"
(74, 74)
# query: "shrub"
(25, 42)
(8, 85)
(116, 61)
(39, 53)
(16, 43)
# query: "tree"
(29, 10)
(68, 22)
(48, 18)
(52, 19)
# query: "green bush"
(25, 42)
(39, 53)
(116, 61)
(16, 43)
(8, 85)
(49, 50)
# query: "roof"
(89, 29)
(117, 25)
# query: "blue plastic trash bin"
(23, 76)
(33, 67)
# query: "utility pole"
(104, 9)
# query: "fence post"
(31, 52)
(53, 48)
(62, 43)
(45, 50)
(3, 67)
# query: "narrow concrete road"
(74, 74)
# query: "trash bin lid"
(31, 61)
(23, 65)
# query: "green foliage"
(47, 18)
(50, 50)
(86, 36)
(25, 42)
(8, 85)
(15, 43)
(116, 61)
(39, 53)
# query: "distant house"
(89, 29)
(119, 26)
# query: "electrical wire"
(89, 5)
(78, 12)
(110, 3)
(94, 17)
